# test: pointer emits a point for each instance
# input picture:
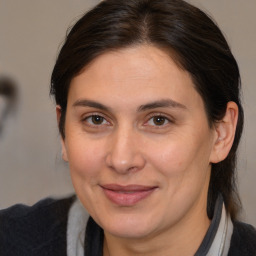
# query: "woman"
(147, 95)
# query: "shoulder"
(243, 241)
(34, 230)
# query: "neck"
(181, 239)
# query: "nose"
(125, 153)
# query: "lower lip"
(127, 198)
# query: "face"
(138, 143)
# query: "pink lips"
(126, 195)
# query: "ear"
(225, 130)
(63, 145)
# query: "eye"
(96, 120)
(158, 121)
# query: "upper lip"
(126, 188)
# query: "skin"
(115, 133)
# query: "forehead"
(136, 73)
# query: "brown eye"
(96, 120)
(158, 121)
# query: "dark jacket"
(40, 230)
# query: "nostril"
(132, 169)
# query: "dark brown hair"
(192, 39)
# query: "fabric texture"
(243, 241)
(212, 230)
(41, 230)
(77, 221)
(218, 237)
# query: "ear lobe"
(225, 133)
(63, 146)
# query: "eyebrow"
(165, 103)
(90, 103)
(152, 105)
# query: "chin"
(129, 227)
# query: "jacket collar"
(217, 239)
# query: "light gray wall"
(30, 35)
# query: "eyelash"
(166, 120)
(90, 123)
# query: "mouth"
(127, 195)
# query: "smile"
(127, 195)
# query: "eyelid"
(159, 114)
(91, 114)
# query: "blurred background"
(31, 33)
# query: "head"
(190, 39)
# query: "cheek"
(85, 159)
(171, 157)
(179, 156)
(184, 167)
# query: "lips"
(127, 195)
